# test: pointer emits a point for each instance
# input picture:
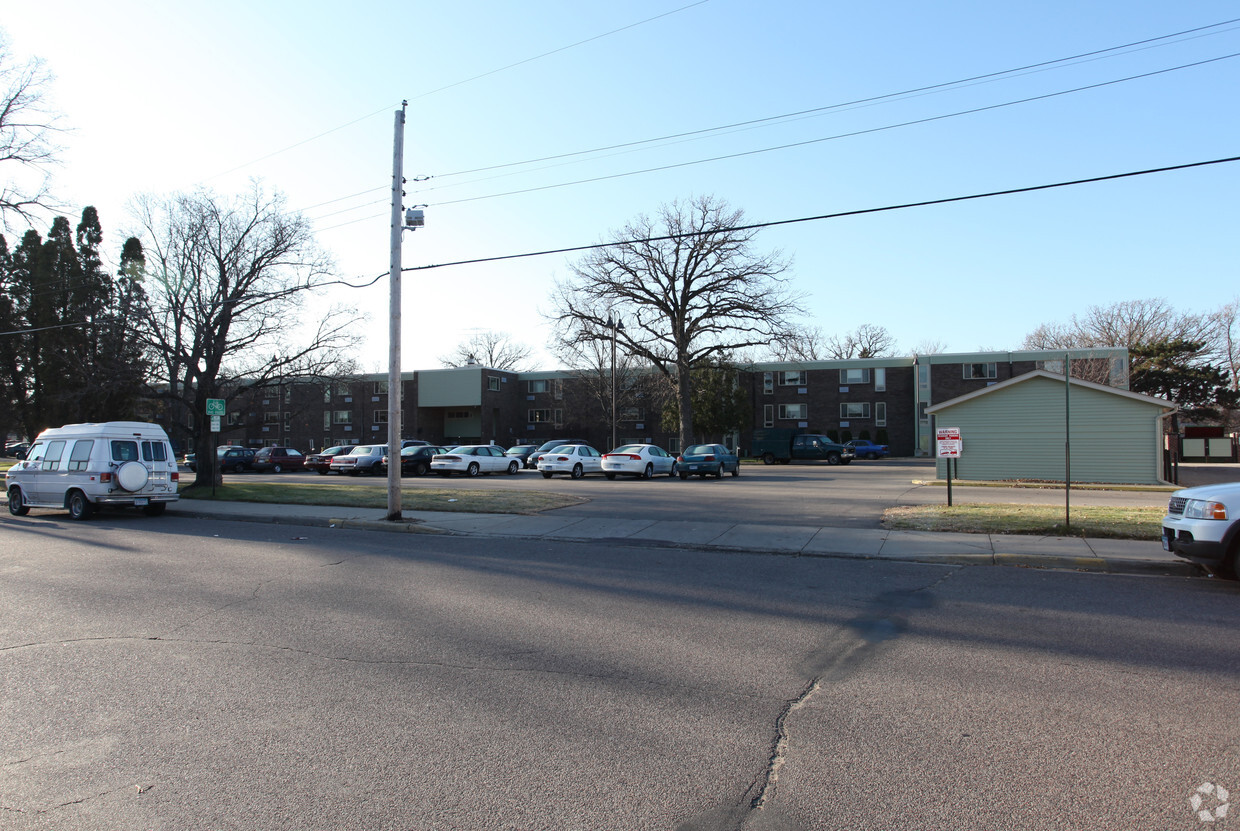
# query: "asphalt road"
(852, 495)
(184, 674)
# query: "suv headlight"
(1203, 509)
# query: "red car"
(278, 459)
(322, 462)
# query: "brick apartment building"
(884, 399)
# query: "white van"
(81, 466)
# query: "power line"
(838, 215)
(847, 104)
(852, 134)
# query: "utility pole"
(394, 403)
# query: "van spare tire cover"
(132, 476)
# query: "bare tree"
(496, 350)
(808, 343)
(26, 125)
(1225, 344)
(226, 278)
(688, 287)
(930, 346)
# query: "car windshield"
(700, 450)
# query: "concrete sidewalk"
(1113, 556)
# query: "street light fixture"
(615, 325)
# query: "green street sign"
(215, 406)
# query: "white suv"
(1201, 525)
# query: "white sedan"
(472, 459)
(574, 459)
(644, 460)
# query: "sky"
(506, 101)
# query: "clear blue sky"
(171, 97)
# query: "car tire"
(684, 474)
(513, 467)
(611, 477)
(155, 508)
(79, 506)
(768, 458)
(871, 456)
(578, 472)
(473, 469)
(17, 505)
(420, 469)
(833, 458)
(736, 471)
(546, 474)
(277, 468)
(648, 473)
(322, 472)
(719, 471)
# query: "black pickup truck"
(775, 444)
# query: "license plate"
(1166, 541)
(141, 502)
(693, 467)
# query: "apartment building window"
(768, 383)
(559, 389)
(631, 414)
(234, 418)
(381, 388)
(342, 388)
(800, 412)
(880, 414)
(327, 393)
(880, 379)
(493, 383)
(271, 418)
(793, 379)
(381, 416)
(981, 371)
(538, 386)
(342, 417)
(768, 415)
(854, 376)
(854, 409)
(539, 416)
(288, 395)
(327, 420)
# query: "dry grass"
(419, 499)
(1041, 520)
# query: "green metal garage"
(1034, 425)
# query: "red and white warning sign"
(947, 440)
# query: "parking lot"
(852, 495)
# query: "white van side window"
(34, 454)
(79, 459)
(124, 451)
(51, 459)
(153, 451)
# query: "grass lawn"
(417, 499)
(1040, 520)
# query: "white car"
(644, 460)
(472, 459)
(574, 459)
(1203, 525)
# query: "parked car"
(866, 449)
(783, 444)
(278, 459)
(361, 458)
(574, 459)
(707, 460)
(81, 467)
(1203, 525)
(233, 458)
(473, 459)
(17, 449)
(321, 462)
(531, 461)
(644, 460)
(415, 460)
(521, 452)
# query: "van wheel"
(79, 506)
(155, 508)
(17, 505)
(768, 458)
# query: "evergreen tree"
(1175, 369)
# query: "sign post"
(215, 409)
(948, 447)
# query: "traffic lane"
(303, 682)
(329, 679)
